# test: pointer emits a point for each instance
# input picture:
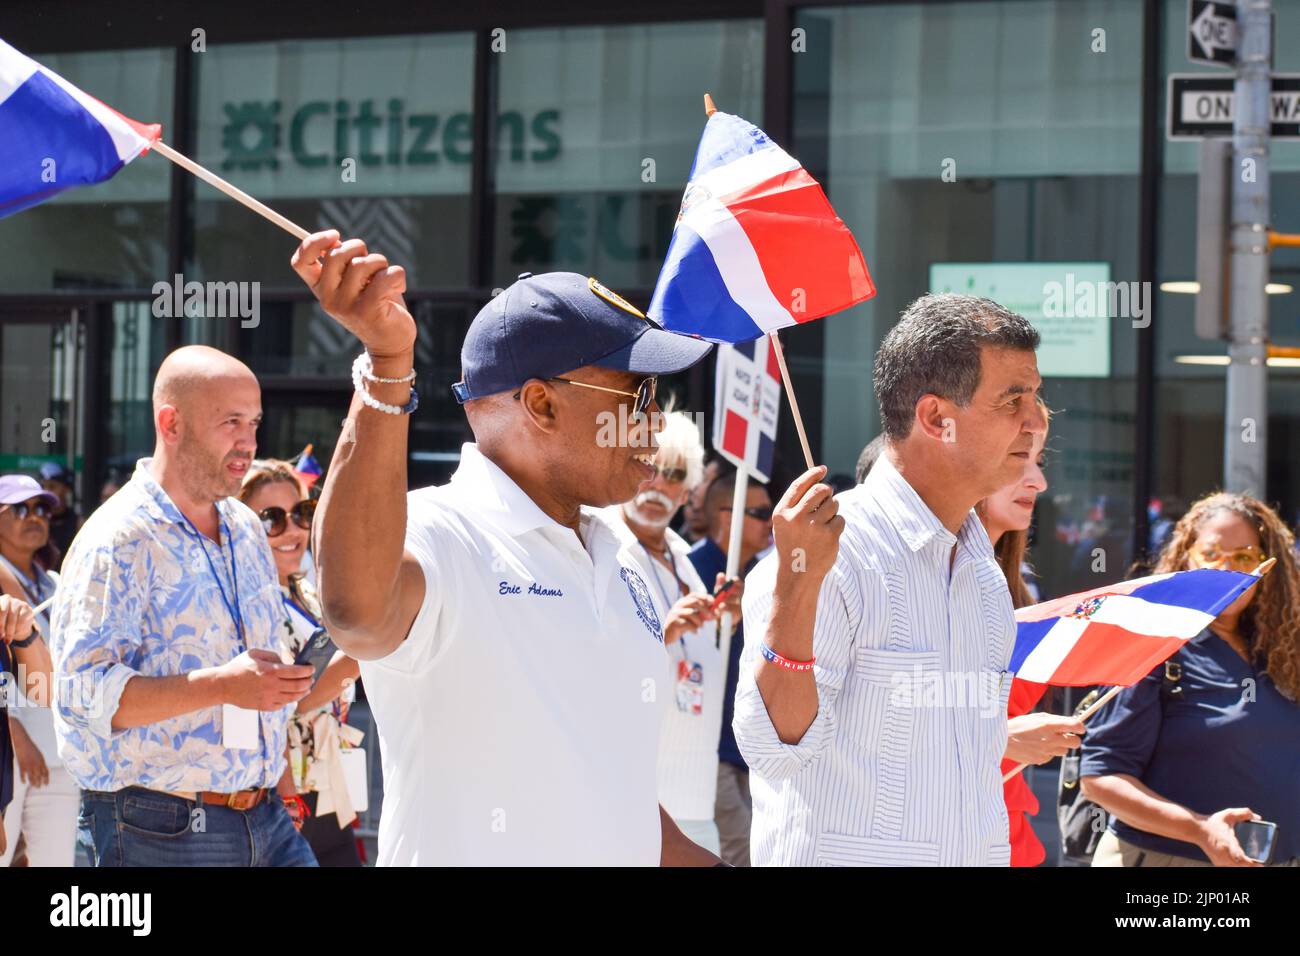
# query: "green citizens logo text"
(252, 135)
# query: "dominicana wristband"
(779, 661)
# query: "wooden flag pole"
(709, 109)
(234, 192)
(1259, 572)
(794, 402)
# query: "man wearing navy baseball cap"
(510, 650)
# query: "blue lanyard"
(35, 590)
(234, 576)
(295, 606)
(654, 572)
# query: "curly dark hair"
(1270, 625)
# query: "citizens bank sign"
(268, 134)
(387, 116)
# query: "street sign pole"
(1245, 446)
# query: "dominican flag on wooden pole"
(1114, 635)
(54, 136)
(757, 247)
(1117, 633)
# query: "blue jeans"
(139, 827)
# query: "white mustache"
(655, 496)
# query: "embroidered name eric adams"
(505, 587)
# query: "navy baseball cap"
(552, 323)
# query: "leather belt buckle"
(238, 800)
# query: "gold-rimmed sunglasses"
(644, 394)
(1241, 559)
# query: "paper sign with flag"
(757, 246)
(747, 406)
(53, 136)
(1116, 634)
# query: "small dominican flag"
(53, 136)
(306, 467)
(747, 404)
(757, 246)
(1115, 635)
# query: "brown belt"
(239, 800)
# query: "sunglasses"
(41, 510)
(644, 394)
(672, 475)
(1242, 559)
(275, 521)
(760, 514)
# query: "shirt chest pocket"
(890, 711)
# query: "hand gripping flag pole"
(1259, 572)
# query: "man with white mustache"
(688, 739)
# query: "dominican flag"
(757, 246)
(306, 467)
(1115, 635)
(747, 404)
(53, 136)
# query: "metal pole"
(1245, 445)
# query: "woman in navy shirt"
(1212, 737)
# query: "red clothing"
(1026, 848)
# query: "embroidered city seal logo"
(613, 298)
(1088, 608)
(645, 608)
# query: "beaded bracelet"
(777, 659)
(358, 383)
(368, 372)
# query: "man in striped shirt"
(886, 751)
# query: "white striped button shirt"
(901, 764)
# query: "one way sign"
(1202, 104)
(1212, 29)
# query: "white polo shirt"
(688, 740)
(519, 720)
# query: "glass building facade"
(985, 146)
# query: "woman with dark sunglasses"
(318, 730)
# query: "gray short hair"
(935, 349)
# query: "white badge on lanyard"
(690, 684)
(239, 728)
